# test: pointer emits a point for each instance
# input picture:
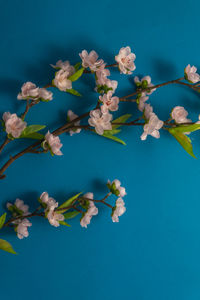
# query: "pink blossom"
(100, 121)
(125, 59)
(71, 116)
(109, 102)
(90, 60)
(13, 124)
(118, 210)
(191, 74)
(102, 74)
(53, 142)
(179, 114)
(28, 91)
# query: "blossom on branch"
(118, 210)
(145, 83)
(116, 188)
(61, 80)
(18, 207)
(91, 211)
(100, 121)
(90, 60)
(125, 60)
(22, 228)
(191, 74)
(13, 124)
(64, 65)
(102, 74)
(152, 126)
(71, 116)
(109, 102)
(30, 91)
(52, 143)
(179, 115)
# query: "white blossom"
(125, 59)
(142, 99)
(102, 74)
(24, 208)
(54, 218)
(121, 191)
(28, 91)
(90, 60)
(179, 115)
(112, 84)
(52, 142)
(61, 80)
(109, 102)
(71, 116)
(118, 210)
(13, 124)
(191, 75)
(148, 109)
(50, 202)
(45, 94)
(64, 65)
(22, 228)
(152, 127)
(92, 211)
(100, 121)
(147, 81)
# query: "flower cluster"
(61, 80)
(191, 74)
(52, 143)
(91, 211)
(14, 125)
(30, 91)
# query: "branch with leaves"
(99, 121)
(80, 204)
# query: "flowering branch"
(56, 214)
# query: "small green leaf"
(64, 223)
(121, 119)
(76, 67)
(112, 132)
(187, 128)
(4, 245)
(68, 203)
(76, 75)
(73, 92)
(183, 140)
(31, 129)
(71, 214)
(2, 220)
(114, 138)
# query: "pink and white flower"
(90, 60)
(125, 59)
(91, 211)
(61, 80)
(100, 121)
(118, 210)
(54, 218)
(118, 189)
(152, 127)
(142, 99)
(148, 110)
(71, 116)
(179, 115)
(50, 202)
(112, 84)
(28, 91)
(45, 95)
(102, 74)
(64, 65)
(109, 102)
(22, 228)
(13, 124)
(191, 74)
(53, 142)
(145, 82)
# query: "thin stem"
(7, 140)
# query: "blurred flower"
(118, 210)
(22, 228)
(13, 124)
(61, 80)
(28, 91)
(179, 115)
(144, 83)
(152, 127)
(191, 75)
(52, 142)
(45, 95)
(64, 65)
(91, 211)
(90, 60)
(102, 74)
(116, 188)
(100, 121)
(71, 116)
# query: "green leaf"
(68, 203)
(183, 140)
(31, 129)
(121, 119)
(2, 220)
(35, 136)
(187, 128)
(76, 67)
(71, 214)
(112, 132)
(76, 75)
(64, 223)
(114, 138)
(73, 92)
(4, 245)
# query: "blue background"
(153, 253)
